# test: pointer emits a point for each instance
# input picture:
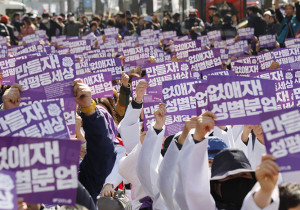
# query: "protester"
(28, 27)
(11, 29)
(192, 26)
(290, 23)
(72, 28)
(50, 26)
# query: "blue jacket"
(100, 157)
(293, 25)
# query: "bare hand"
(82, 93)
(274, 65)
(141, 90)
(12, 98)
(259, 133)
(160, 116)
(205, 123)
(124, 79)
(108, 191)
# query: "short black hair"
(16, 14)
(289, 195)
(45, 15)
(289, 5)
(62, 15)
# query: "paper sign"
(8, 192)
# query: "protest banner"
(8, 192)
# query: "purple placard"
(242, 69)
(42, 120)
(161, 56)
(82, 66)
(265, 60)
(213, 72)
(8, 198)
(3, 40)
(100, 84)
(246, 33)
(233, 98)
(267, 41)
(296, 92)
(151, 95)
(52, 162)
(292, 43)
(68, 106)
(179, 97)
(203, 60)
(138, 54)
(281, 131)
(111, 31)
(214, 35)
(288, 57)
(182, 48)
(248, 60)
(201, 98)
(113, 65)
(204, 41)
(238, 49)
(31, 49)
(3, 51)
(46, 77)
(160, 72)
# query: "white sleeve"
(149, 161)
(255, 153)
(249, 203)
(225, 135)
(127, 165)
(129, 128)
(194, 175)
(114, 177)
(237, 132)
(166, 179)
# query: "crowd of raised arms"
(133, 112)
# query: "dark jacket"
(100, 157)
(72, 28)
(259, 24)
(52, 30)
(13, 39)
(228, 31)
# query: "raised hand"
(160, 116)
(141, 90)
(12, 98)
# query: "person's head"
(128, 15)
(4, 19)
(272, 19)
(46, 17)
(63, 16)
(141, 21)
(71, 17)
(215, 145)
(267, 16)
(104, 102)
(59, 19)
(97, 18)
(212, 10)
(17, 16)
(176, 17)
(289, 9)
(234, 19)
(93, 26)
(289, 196)
(192, 14)
(85, 19)
(231, 178)
(114, 100)
(227, 19)
(147, 20)
(216, 18)
(155, 19)
(110, 23)
(134, 19)
(26, 21)
(251, 10)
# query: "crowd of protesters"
(196, 168)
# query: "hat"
(212, 7)
(70, 14)
(148, 18)
(268, 13)
(4, 19)
(229, 162)
(192, 11)
(215, 145)
(59, 17)
(227, 18)
(128, 13)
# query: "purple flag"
(46, 77)
(112, 65)
(234, 98)
(281, 134)
(206, 59)
(42, 120)
(8, 198)
(246, 33)
(100, 84)
(46, 169)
